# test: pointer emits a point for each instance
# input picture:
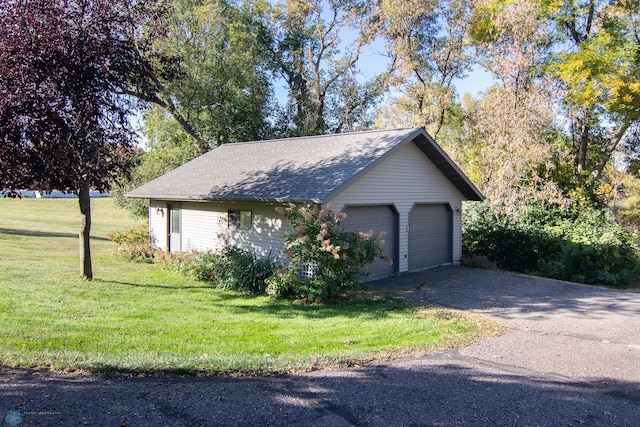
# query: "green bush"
(583, 245)
(232, 268)
(336, 257)
(133, 244)
(478, 261)
(285, 283)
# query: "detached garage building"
(396, 181)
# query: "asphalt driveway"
(577, 331)
(572, 357)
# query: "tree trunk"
(612, 145)
(84, 199)
(583, 145)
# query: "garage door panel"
(377, 219)
(430, 236)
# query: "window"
(175, 220)
(240, 219)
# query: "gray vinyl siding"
(205, 227)
(201, 226)
(405, 178)
(158, 224)
(265, 238)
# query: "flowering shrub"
(134, 244)
(333, 258)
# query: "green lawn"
(142, 318)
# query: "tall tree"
(512, 121)
(587, 52)
(224, 92)
(598, 63)
(64, 65)
(428, 41)
(309, 52)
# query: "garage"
(382, 218)
(430, 236)
(377, 176)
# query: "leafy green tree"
(588, 53)
(168, 146)
(513, 123)
(309, 53)
(224, 93)
(428, 43)
(565, 102)
(600, 71)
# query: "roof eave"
(169, 197)
(260, 200)
(329, 196)
(429, 148)
(447, 166)
(214, 198)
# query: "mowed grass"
(143, 318)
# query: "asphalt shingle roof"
(294, 169)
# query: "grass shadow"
(34, 233)
(367, 309)
(146, 285)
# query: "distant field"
(142, 318)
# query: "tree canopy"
(223, 92)
(563, 103)
(600, 73)
(558, 124)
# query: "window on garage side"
(240, 219)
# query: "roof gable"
(295, 169)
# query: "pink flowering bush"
(325, 260)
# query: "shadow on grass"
(234, 302)
(33, 233)
(146, 285)
(366, 309)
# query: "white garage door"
(430, 236)
(379, 219)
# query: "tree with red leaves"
(67, 72)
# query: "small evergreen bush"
(583, 245)
(232, 268)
